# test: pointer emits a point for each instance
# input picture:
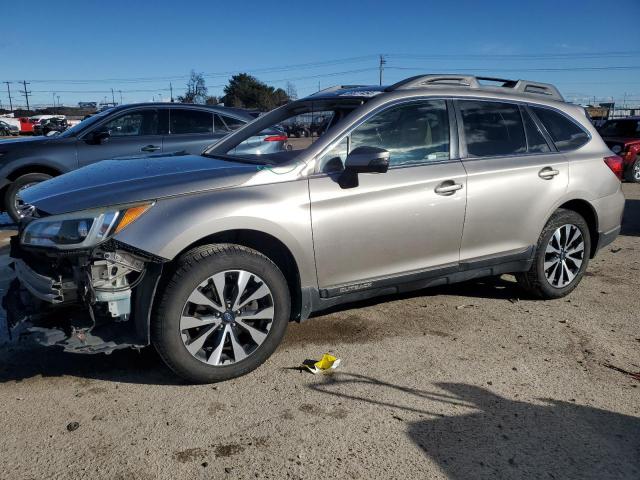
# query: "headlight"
(81, 229)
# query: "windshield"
(283, 134)
(84, 124)
(621, 128)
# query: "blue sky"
(82, 49)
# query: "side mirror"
(100, 136)
(363, 160)
(367, 160)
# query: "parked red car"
(622, 135)
(26, 125)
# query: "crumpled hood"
(115, 182)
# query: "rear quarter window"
(565, 133)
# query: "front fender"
(281, 210)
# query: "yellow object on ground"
(325, 365)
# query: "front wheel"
(13, 204)
(562, 256)
(222, 314)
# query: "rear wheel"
(633, 172)
(222, 314)
(13, 203)
(562, 256)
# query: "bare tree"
(292, 93)
(196, 89)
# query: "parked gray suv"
(122, 131)
(434, 180)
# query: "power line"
(283, 68)
(542, 69)
(517, 56)
(302, 66)
(151, 90)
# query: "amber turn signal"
(131, 215)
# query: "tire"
(206, 264)
(536, 280)
(632, 174)
(12, 191)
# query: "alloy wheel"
(564, 256)
(636, 171)
(227, 317)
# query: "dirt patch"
(216, 407)
(349, 328)
(337, 413)
(228, 450)
(190, 455)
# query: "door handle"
(150, 148)
(547, 173)
(448, 188)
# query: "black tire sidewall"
(629, 172)
(557, 220)
(166, 323)
(17, 184)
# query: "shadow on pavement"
(501, 438)
(631, 218)
(19, 363)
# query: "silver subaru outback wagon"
(436, 179)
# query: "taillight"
(616, 164)
(276, 138)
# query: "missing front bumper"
(69, 313)
(71, 327)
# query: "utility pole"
(54, 102)
(26, 93)
(58, 97)
(9, 92)
(171, 90)
(113, 98)
(120, 92)
(383, 62)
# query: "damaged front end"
(86, 300)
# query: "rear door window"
(565, 133)
(190, 121)
(492, 129)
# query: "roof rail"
(525, 87)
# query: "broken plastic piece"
(327, 364)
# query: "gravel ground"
(467, 381)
